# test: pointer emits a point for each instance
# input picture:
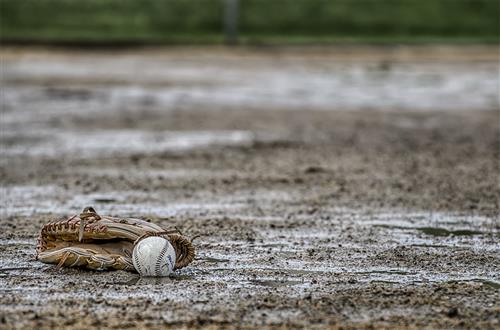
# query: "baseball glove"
(100, 242)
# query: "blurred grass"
(261, 21)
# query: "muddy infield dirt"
(357, 216)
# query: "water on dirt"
(385, 215)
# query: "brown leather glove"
(100, 242)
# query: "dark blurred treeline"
(285, 21)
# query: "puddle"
(271, 245)
(29, 200)
(175, 173)
(284, 270)
(444, 232)
(293, 83)
(105, 200)
(384, 282)
(386, 272)
(435, 231)
(8, 269)
(132, 281)
(492, 284)
(137, 280)
(182, 277)
(121, 142)
(437, 246)
(489, 283)
(213, 260)
(275, 283)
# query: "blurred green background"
(259, 21)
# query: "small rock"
(452, 312)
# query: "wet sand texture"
(342, 188)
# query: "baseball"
(154, 256)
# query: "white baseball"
(154, 256)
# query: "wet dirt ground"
(333, 188)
